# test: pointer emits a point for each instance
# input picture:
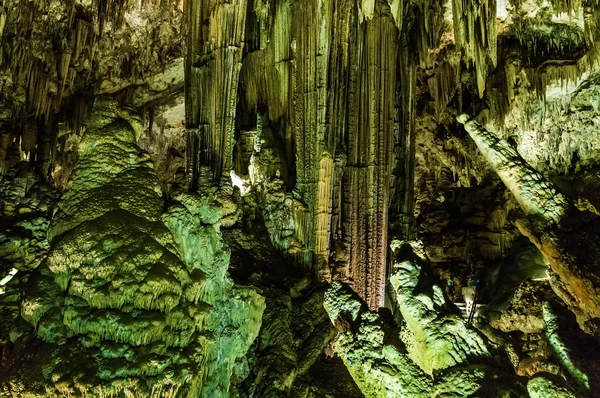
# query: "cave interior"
(300, 198)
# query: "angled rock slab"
(568, 238)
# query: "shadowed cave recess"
(300, 198)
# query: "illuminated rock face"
(326, 96)
(437, 339)
(131, 300)
(376, 359)
(435, 353)
(551, 221)
(536, 196)
(335, 120)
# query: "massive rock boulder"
(433, 353)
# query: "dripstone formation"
(249, 198)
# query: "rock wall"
(308, 134)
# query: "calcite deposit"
(315, 198)
(170, 323)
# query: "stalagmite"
(567, 237)
(434, 355)
(438, 338)
(144, 293)
(377, 361)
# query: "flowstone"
(434, 354)
(376, 359)
(124, 303)
(438, 338)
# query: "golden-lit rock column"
(368, 173)
(214, 44)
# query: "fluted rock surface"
(328, 94)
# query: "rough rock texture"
(537, 197)
(375, 357)
(550, 220)
(56, 55)
(541, 387)
(436, 337)
(336, 143)
(299, 136)
(386, 360)
(164, 139)
(26, 204)
(295, 334)
(524, 311)
(143, 294)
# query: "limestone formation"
(216, 198)
(436, 338)
(549, 217)
(377, 360)
(434, 353)
(341, 172)
(143, 294)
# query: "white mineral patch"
(7, 278)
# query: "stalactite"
(51, 51)
(4, 144)
(2, 20)
(475, 36)
(569, 7)
(568, 74)
(215, 41)
(429, 26)
(310, 30)
(29, 138)
(328, 89)
(444, 84)
(323, 213)
(402, 193)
